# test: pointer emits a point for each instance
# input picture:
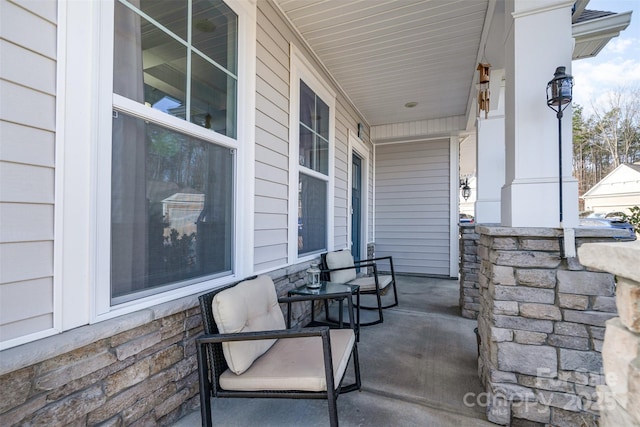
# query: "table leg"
(358, 314)
(351, 321)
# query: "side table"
(326, 292)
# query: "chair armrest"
(320, 331)
(351, 267)
(357, 264)
(372, 261)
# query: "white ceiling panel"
(385, 53)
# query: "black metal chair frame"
(211, 361)
(367, 263)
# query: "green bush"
(633, 218)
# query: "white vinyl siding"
(342, 216)
(413, 206)
(272, 145)
(27, 157)
(272, 142)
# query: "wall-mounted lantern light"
(466, 190)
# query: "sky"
(617, 65)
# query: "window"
(314, 131)
(314, 156)
(155, 123)
(179, 57)
(312, 123)
(171, 208)
(172, 180)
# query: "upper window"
(172, 182)
(311, 130)
(314, 131)
(313, 143)
(179, 57)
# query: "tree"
(607, 138)
(616, 125)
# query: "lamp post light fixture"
(559, 95)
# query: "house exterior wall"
(618, 191)
(28, 126)
(106, 371)
(27, 131)
(412, 206)
(272, 146)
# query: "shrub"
(633, 218)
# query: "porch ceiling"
(387, 53)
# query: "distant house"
(617, 191)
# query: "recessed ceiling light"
(410, 104)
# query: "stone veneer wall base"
(142, 372)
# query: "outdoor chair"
(246, 350)
(340, 267)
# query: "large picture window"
(171, 208)
(172, 182)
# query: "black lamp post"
(559, 95)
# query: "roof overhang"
(592, 36)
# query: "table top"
(326, 288)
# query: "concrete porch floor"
(418, 368)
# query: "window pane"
(312, 214)
(171, 209)
(212, 97)
(215, 29)
(172, 14)
(152, 63)
(306, 147)
(321, 163)
(307, 105)
(314, 118)
(322, 119)
(149, 65)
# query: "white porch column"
(538, 41)
(490, 158)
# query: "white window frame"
(301, 69)
(356, 145)
(85, 101)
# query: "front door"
(356, 207)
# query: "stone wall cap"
(618, 258)
(40, 350)
(500, 231)
(600, 232)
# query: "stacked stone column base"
(542, 327)
(620, 397)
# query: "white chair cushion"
(368, 283)
(249, 306)
(340, 259)
(294, 364)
